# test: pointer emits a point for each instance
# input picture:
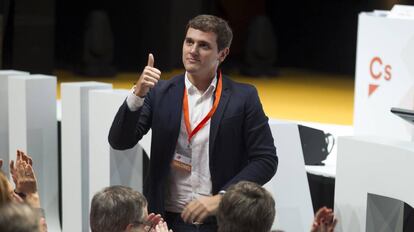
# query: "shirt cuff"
(134, 102)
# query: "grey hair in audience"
(18, 218)
(115, 207)
(246, 207)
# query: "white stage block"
(4, 115)
(373, 166)
(107, 166)
(75, 153)
(33, 128)
(384, 76)
(289, 186)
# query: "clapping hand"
(324, 221)
(23, 174)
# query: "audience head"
(211, 23)
(116, 209)
(18, 218)
(246, 207)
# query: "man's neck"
(201, 82)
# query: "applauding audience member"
(5, 190)
(19, 218)
(247, 206)
(25, 181)
(119, 209)
(324, 221)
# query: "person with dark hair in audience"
(120, 208)
(208, 132)
(19, 218)
(247, 206)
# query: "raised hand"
(324, 221)
(148, 79)
(152, 220)
(162, 227)
(23, 174)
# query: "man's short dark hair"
(18, 218)
(246, 207)
(211, 23)
(115, 207)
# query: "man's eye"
(204, 46)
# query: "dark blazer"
(241, 145)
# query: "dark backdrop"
(318, 35)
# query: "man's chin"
(191, 69)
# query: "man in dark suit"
(208, 132)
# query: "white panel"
(108, 166)
(75, 153)
(4, 115)
(33, 128)
(370, 165)
(385, 57)
(290, 186)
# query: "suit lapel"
(175, 102)
(216, 119)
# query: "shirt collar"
(191, 89)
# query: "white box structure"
(4, 115)
(107, 166)
(384, 75)
(289, 186)
(369, 167)
(75, 153)
(33, 128)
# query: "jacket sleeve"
(259, 144)
(129, 126)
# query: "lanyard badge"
(182, 159)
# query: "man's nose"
(194, 49)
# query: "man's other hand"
(197, 210)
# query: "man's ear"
(223, 54)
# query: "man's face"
(200, 53)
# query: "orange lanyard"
(207, 117)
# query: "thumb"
(150, 60)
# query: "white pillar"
(289, 186)
(109, 167)
(75, 153)
(33, 128)
(4, 115)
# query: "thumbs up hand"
(148, 79)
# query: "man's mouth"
(192, 60)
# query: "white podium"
(33, 128)
(4, 115)
(373, 177)
(107, 166)
(384, 75)
(289, 187)
(75, 153)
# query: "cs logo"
(378, 70)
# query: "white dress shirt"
(183, 187)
